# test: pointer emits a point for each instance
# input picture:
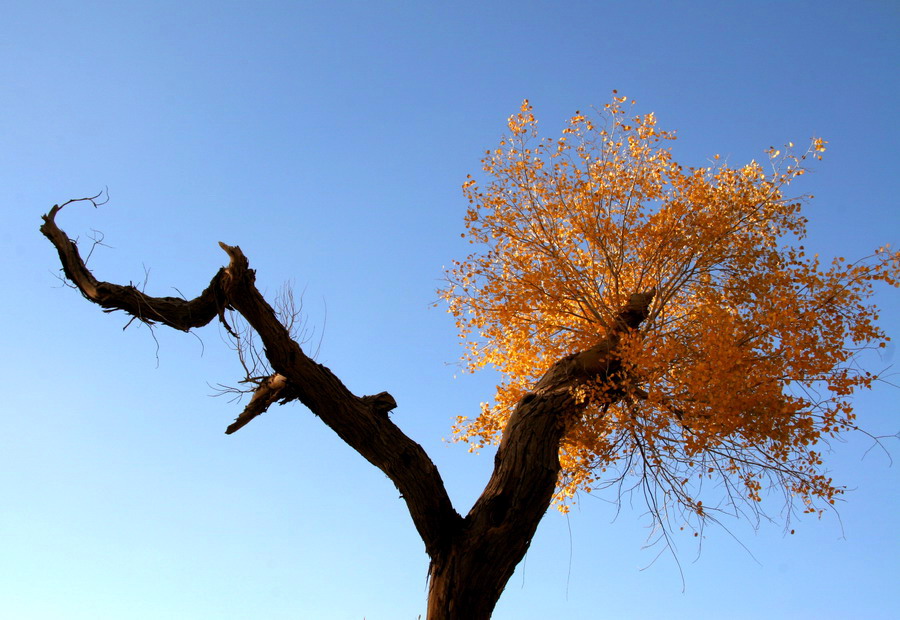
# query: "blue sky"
(330, 140)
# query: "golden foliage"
(745, 364)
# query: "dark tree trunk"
(468, 578)
(472, 558)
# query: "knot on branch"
(238, 270)
(600, 361)
(636, 310)
(381, 403)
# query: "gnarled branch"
(176, 313)
(361, 422)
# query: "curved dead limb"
(360, 422)
(177, 313)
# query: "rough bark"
(471, 558)
(467, 582)
(177, 313)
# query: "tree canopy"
(747, 359)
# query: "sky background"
(330, 140)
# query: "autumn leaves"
(746, 359)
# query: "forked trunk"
(472, 558)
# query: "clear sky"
(329, 140)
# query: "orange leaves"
(523, 121)
(746, 360)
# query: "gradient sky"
(330, 140)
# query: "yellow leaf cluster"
(745, 364)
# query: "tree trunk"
(472, 558)
(464, 586)
(468, 578)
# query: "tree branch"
(176, 313)
(499, 527)
(531, 439)
(270, 390)
(362, 422)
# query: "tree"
(747, 358)
(650, 320)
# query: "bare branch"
(270, 390)
(362, 422)
(172, 311)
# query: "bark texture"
(467, 581)
(471, 557)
